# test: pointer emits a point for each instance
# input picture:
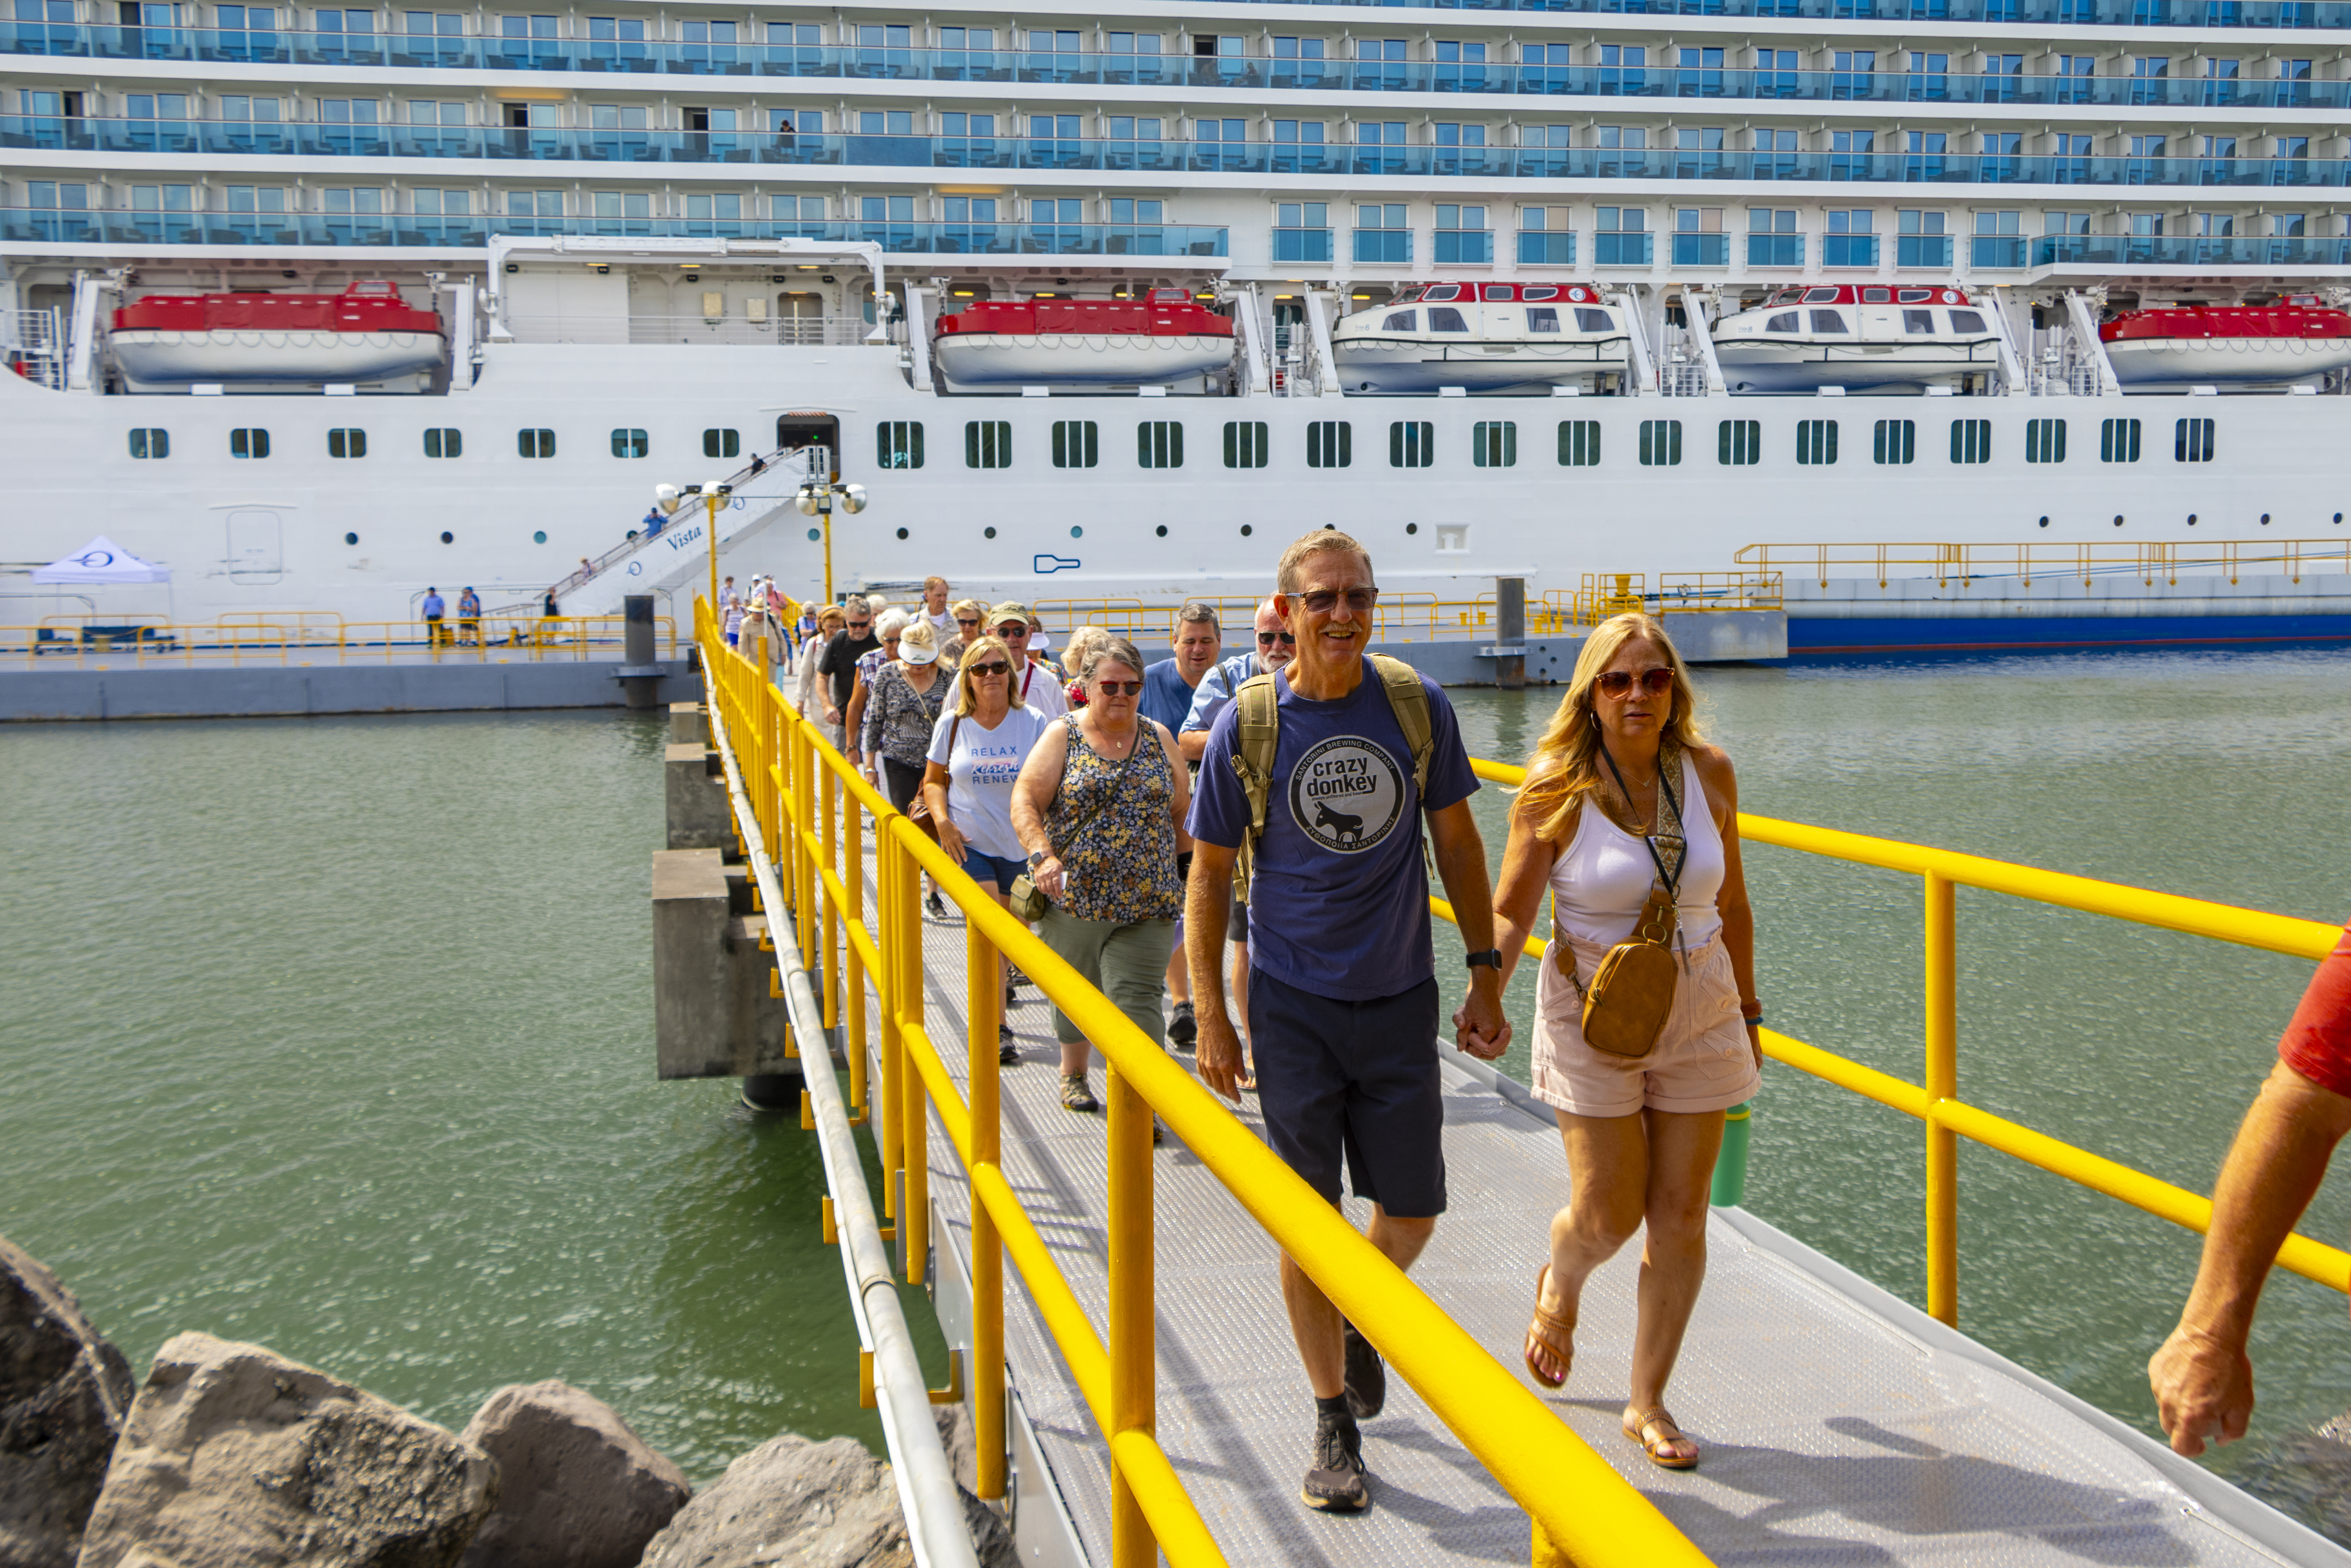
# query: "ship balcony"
(610, 57)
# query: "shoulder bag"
(1632, 992)
(920, 815)
(1029, 900)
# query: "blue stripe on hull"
(1818, 637)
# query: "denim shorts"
(980, 865)
(1354, 1084)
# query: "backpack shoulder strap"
(1258, 734)
(1408, 699)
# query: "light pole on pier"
(713, 494)
(815, 500)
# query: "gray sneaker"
(1183, 1026)
(1367, 1374)
(1334, 1479)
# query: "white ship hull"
(990, 361)
(2237, 364)
(1402, 367)
(157, 361)
(1802, 367)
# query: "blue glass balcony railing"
(1302, 245)
(751, 149)
(1546, 247)
(205, 45)
(1921, 250)
(1620, 249)
(1701, 250)
(52, 226)
(1995, 252)
(2142, 250)
(1848, 250)
(1775, 250)
(1464, 248)
(1393, 246)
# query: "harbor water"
(335, 1035)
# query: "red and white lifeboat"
(1865, 337)
(1000, 345)
(1506, 338)
(2243, 347)
(166, 342)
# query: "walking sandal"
(1551, 1333)
(1660, 1447)
(1075, 1095)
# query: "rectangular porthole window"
(987, 444)
(1330, 443)
(1247, 443)
(2118, 441)
(1579, 443)
(1412, 443)
(2044, 441)
(535, 442)
(151, 442)
(898, 443)
(1739, 443)
(631, 444)
(1494, 444)
(346, 443)
(1077, 443)
(1661, 443)
(444, 442)
(722, 443)
(248, 443)
(2191, 441)
(1816, 441)
(1970, 441)
(1159, 444)
(1897, 442)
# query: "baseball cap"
(1010, 609)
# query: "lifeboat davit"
(1864, 339)
(1522, 337)
(2241, 347)
(1001, 345)
(365, 335)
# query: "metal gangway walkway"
(1141, 1371)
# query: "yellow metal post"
(710, 500)
(905, 955)
(836, 799)
(893, 1049)
(854, 883)
(1942, 1084)
(1132, 1353)
(983, 1005)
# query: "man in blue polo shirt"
(1342, 998)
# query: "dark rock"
(234, 1457)
(63, 1394)
(788, 1501)
(991, 1536)
(991, 1533)
(576, 1488)
(954, 1422)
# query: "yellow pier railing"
(1936, 1101)
(815, 811)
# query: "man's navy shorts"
(1354, 1077)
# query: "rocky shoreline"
(232, 1456)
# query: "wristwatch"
(1492, 958)
(1036, 859)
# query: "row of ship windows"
(149, 442)
(1494, 444)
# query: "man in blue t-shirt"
(1342, 999)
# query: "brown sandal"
(1658, 1419)
(1548, 1330)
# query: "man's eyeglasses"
(1322, 601)
(992, 667)
(1268, 638)
(1119, 688)
(1619, 683)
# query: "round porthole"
(1412, 527)
(2118, 520)
(902, 533)
(538, 537)
(1077, 533)
(987, 533)
(2191, 519)
(814, 535)
(447, 538)
(2266, 519)
(2338, 516)
(1245, 530)
(2044, 522)
(1162, 530)
(351, 538)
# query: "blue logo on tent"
(1045, 565)
(95, 559)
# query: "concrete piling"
(713, 1014)
(1510, 632)
(639, 691)
(693, 787)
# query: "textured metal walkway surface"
(1839, 1424)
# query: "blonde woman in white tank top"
(1641, 1133)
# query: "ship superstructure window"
(444, 442)
(248, 443)
(535, 442)
(1494, 444)
(1897, 442)
(1579, 443)
(346, 443)
(533, 203)
(631, 444)
(623, 37)
(1412, 443)
(1849, 242)
(1077, 443)
(2191, 441)
(1249, 444)
(987, 444)
(722, 443)
(1301, 231)
(1970, 441)
(1330, 443)
(1383, 233)
(151, 442)
(898, 443)
(1661, 443)
(1620, 236)
(1772, 239)
(1739, 443)
(2118, 441)
(1545, 238)
(1816, 441)
(2044, 441)
(1159, 444)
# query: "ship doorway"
(800, 318)
(796, 432)
(257, 551)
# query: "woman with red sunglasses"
(1629, 819)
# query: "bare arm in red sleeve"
(2203, 1381)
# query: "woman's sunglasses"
(992, 667)
(1119, 688)
(967, 619)
(1268, 638)
(1619, 683)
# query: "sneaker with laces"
(1367, 1374)
(936, 905)
(1183, 1026)
(1007, 1050)
(1075, 1095)
(1334, 1477)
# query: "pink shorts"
(1701, 1060)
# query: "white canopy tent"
(101, 562)
(102, 582)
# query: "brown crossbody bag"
(1632, 992)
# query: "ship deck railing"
(117, 641)
(2165, 561)
(1182, 1451)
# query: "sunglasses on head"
(1656, 682)
(1322, 601)
(1268, 638)
(992, 667)
(1119, 688)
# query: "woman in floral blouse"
(902, 709)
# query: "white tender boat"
(1862, 338)
(1483, 337)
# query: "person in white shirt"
(1040, 686)
(935, 608)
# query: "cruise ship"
(314, 309)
